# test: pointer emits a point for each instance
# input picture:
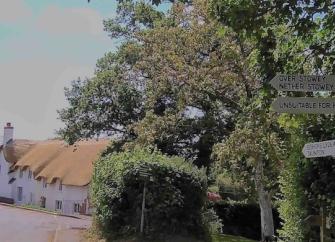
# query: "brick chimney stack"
(8, 133)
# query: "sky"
(44, 45)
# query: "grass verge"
(90, 236)
(230, 238)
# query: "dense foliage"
(174, 83)
(233, 216)
(306, 184)
(175, 196)
(320, 188)
(289, 37)
(293, 205)
(189, 80)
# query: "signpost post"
(298, 105)
(144, 173)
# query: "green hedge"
(292, 205)
(175, 200)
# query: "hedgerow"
(175, 198)
(292, 205)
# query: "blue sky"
(44, 45)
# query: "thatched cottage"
(49, 174)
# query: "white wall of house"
(33, 190)
(28, 185)
(5, 188)
(26, 190)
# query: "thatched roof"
(53, 159)
(15, 149)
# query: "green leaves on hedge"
(176, 193)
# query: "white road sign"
(303, 83)
(298, 105)
(319, 149)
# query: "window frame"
(30, 174)
(76, 207)
(45, 184)
(21, 173)
(19, 194)
(58, 205)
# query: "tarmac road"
(20, 225)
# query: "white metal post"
(143, 207)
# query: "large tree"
(174, 83)
(188, 79)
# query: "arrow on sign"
(319, 149)
(297, 105)
(303, 83)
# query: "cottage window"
(43, 202)
(60, 188)
(45, 183)
(76, 208)
(31, 198)
(0, 169)
(19, 193)
(30, 175)
(21, 173)
(58, 205)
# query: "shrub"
(292, 205)
(175, 198)
(319, 185)
(242, 219)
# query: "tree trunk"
(264, 200)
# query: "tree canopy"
(176, 86)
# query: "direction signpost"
(319, 149)
(298, 105)
(145, 174)
(303, 83)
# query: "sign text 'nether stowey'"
(303, 83)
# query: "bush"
(319, 187)
(175, 198)
(292, 205)
(242, 219)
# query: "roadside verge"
(39, 210)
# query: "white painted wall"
(5, 188)
(28, 187)
(33, 190)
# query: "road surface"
(20, 225)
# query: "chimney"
(8, 133)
